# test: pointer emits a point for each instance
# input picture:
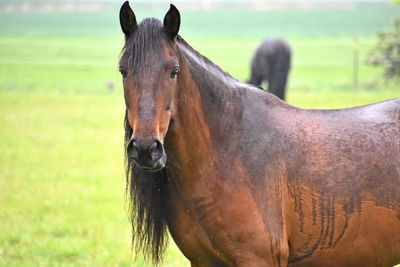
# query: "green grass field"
(61, 155)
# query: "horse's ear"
(172, 21)
(127, 19)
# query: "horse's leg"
(278, 77)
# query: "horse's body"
(271, 63)
(251, 180)
(312, 187)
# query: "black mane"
(204, 58)
(147, 206)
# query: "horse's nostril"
(156, 150)
(133, 149)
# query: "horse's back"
(352, 143)
(345, 186)
(384, 111)
(360, 132)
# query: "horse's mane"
(147, 192)
(204, 58)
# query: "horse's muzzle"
(149, 156)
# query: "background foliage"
(387, 51)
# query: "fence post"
(356, 62)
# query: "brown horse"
(239, 177)
(271, 62)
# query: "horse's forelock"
(147, 41)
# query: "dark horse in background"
(271, 63)
(240, 178)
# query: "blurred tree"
(387, 51)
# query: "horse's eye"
(174, 72)
(123, 72)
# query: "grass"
(61, 162)
(47, 176)
(65, 65)
(62, 182)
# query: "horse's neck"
(219, 93)
(208, 105)
(209, 77)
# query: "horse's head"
(149, 66)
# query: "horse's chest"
(192, 238)
(217, 232)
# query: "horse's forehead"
(151, 55)
(146, 44)
(159, 56)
